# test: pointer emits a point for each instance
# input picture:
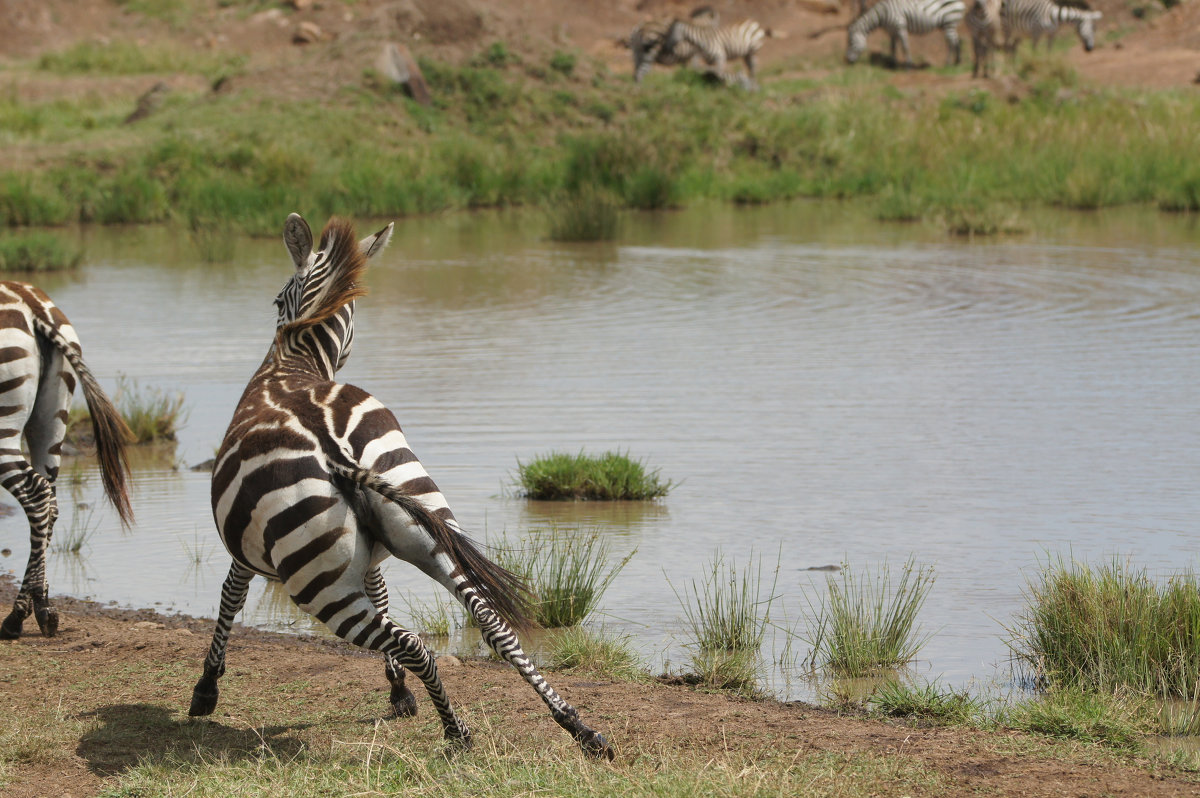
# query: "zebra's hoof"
(47, 620)
(11, 628)
(458, 741)
(404, 703)
(594, 745)
(204, 699)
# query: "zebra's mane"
(344, 265)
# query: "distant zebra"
(314, 485)
(898, 17)
(648, 39)
(38, 352)
(718, 45)
(1037, 18)
(983, 23)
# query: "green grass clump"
(895, 698)
(583, 650)
(36, 252)
(435, 618)
(865, 624)
(153, 415)
(1111, 628)
(611, 477)
(1115, 721)
(568, 572)
(585, 215)
(726, 615)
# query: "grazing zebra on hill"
(38, 352)
(647, 40)
(717, 45)
(1038, 18)
(314, 485)
(898, 17)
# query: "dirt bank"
(127, 677)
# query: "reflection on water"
(819, 384)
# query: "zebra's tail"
(505, 592)
(109, 429)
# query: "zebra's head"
(1087, 28)
(316, 305)
(855, 46)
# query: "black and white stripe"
(1038, 18)
(900, 17)
(718, 45)
(40, 359)
(315, 485)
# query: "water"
(824, 389)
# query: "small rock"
(397, 65)
(207, 465)
(449, 661)
(299, 5)
(147, 625)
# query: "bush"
(36, 252)
(612, 476)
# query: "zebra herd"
(673, 41)
(314, 484)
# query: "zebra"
(898, 17)
(983, 22)
(646, 42)
(39, 350)
(315, 486)
(716, 45)
(1039, 18)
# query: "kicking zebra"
(38, 352)
(314, 485)
(898, 17)
(1039, 18)
(718, 45)
(646, 42)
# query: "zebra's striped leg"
(36, 496)
(403, 702)
(902, 36)
(503, 640)
(233, 598)
(358, 622)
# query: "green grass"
(580, 649)
(36, 252)
(927, 702)
(1115, 721)
(1110, 628)
(610, 477)
(865, 624)
(434, 618)
(585, 215)
(726, 615)
(153, 414)
(79, 532)
(568, 571)
(506, 131)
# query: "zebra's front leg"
(953, 47)
(902, 36)
(403, 702)
(233, 598)
(503, 640)
(36, 495)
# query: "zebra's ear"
(374, 244)
(297, 237)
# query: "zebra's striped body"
(901, 17)
(40, 358)
(647, 43)
(1038, 18)
(315, 485)
(718, 45)
(983, 23)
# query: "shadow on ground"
(132, 733)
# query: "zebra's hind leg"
(403, 702)
(503, 640)
(36, 496)
(233, 598)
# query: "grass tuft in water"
(83, 526)
(434, 618)
(865, 624)
(1111, 628)
(726, 615)
(1113, 720)
(612, 476)
(588, 214)
(568, 571)
(591, 651)
(36, 252)
(154, 415)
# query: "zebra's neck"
(869, 21)
(319, 350)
